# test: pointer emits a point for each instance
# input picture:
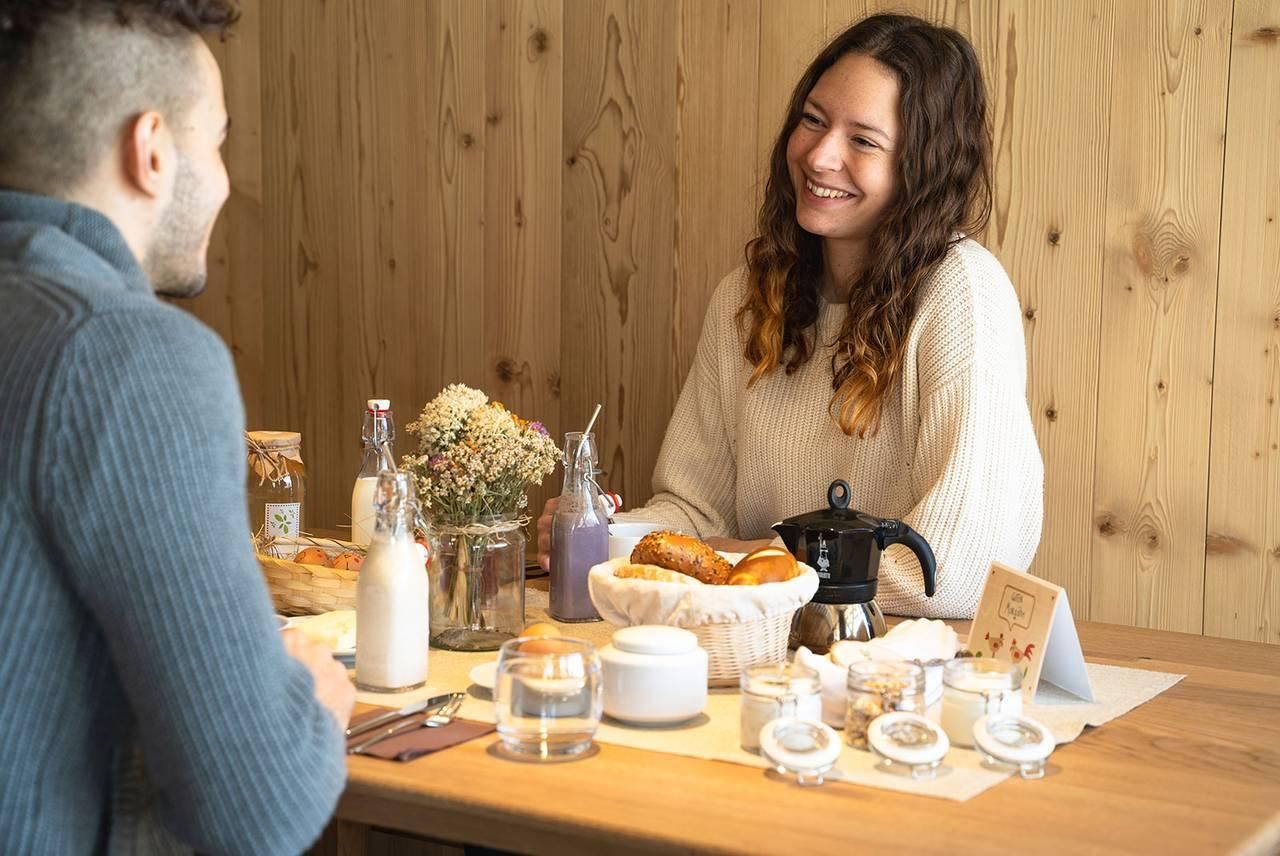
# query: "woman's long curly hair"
(943, 189)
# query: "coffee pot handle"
(897, 532)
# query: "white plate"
(485, 675)
(286, 622)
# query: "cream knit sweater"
(955, 457)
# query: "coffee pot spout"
(790, 534)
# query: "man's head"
(117, 105)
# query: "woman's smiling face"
(842, 155)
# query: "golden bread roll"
(655, 573)
(684, 554)
(766, 565)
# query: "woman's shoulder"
(731, 293)
(967, 312)
(969, 282)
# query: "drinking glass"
(548, 697)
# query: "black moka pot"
(844, 546)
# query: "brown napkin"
(418, 741)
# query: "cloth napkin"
(924, 641)
(419, 741)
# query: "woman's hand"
(731, 545)
(544, 533)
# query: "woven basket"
(298, 589)
(758, 632)
(733, 647)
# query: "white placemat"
(714, 735)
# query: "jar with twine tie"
(276, 484)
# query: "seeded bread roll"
(682, 553)
(655, 573)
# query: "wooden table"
(1197, 770)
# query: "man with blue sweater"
(146, 696)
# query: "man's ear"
(147, 152)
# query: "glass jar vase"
(477, 583)
(276, 484)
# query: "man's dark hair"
(73, 73)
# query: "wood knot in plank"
(553, 384)
(466, 141)
(1051, 414)
(1266, 35)
(1220, 544)
(507, 369)
(1198, 30)
(1107, 525)
(537, 44)
(1030, 314)
(1055, 237)
(1160, 387)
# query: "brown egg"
(541, 628)
(312, 556)
(546, 645)
(348, 561)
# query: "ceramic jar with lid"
(654, 674)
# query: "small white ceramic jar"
(654, 675)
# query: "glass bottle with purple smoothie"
(579, 532)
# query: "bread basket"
(298, 589)
(738, 626)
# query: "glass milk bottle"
(378, 434)
(579, 532)
(393, 595)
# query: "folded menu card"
(1027, 620)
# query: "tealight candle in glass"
(973, 687)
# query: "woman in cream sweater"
(867, 338)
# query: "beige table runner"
(714, 735)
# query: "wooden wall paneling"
(791, 34)
(450, 321)
(619, 206)
(1242, 568)
(390, 117)
(311, 263)
(841, 13)
(1164, 183)
(716, 127)
(1046, 70)
(524, 88)
(233, 302)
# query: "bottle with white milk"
(379, 433)
(393, 595)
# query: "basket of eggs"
(309, 576)
(740, 607)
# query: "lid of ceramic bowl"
(654, 639)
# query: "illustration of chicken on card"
(1027, 621)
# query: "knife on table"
(393, 715)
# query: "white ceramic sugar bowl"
(654, 674)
